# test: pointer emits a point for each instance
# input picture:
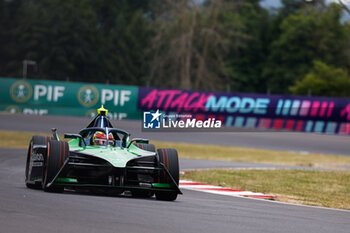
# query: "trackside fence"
(280, 112)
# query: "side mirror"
(54, 134)
(74, 136)
(138, 140)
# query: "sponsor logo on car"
(37, 160)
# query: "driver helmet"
(100, 139)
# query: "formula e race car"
(103, 159)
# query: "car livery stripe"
(191, 185)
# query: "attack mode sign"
(172, 100)
(201, 102)
(297, 113)
(243, 105)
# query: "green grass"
(14, 139)
(240, 154)
(317, 188)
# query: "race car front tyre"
(147, 147)
(36, 140)
(57, 153)
(142, 193)
(170, 160)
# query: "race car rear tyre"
(36, 140)
(147, 147)
(144, 193)
(170, 159)
(57, 152)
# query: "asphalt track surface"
(33, 211)
(289, 141)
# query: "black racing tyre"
(144, 193)
(57, 152)
(170, 159)
(147, 147)
(41, 140)
(36, 140)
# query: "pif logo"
(91, 113)
(151, 120)
(88, 96)
(21, 91)
(13, 109)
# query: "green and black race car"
(102, 158)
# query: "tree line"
(301, 48)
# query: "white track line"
(202, 187)
(197, 186)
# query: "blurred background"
(271, 47)
(280, 64)
(267, 70)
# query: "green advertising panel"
(42, 97)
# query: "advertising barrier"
(295, 113)
(42, 97)
(308, 114)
